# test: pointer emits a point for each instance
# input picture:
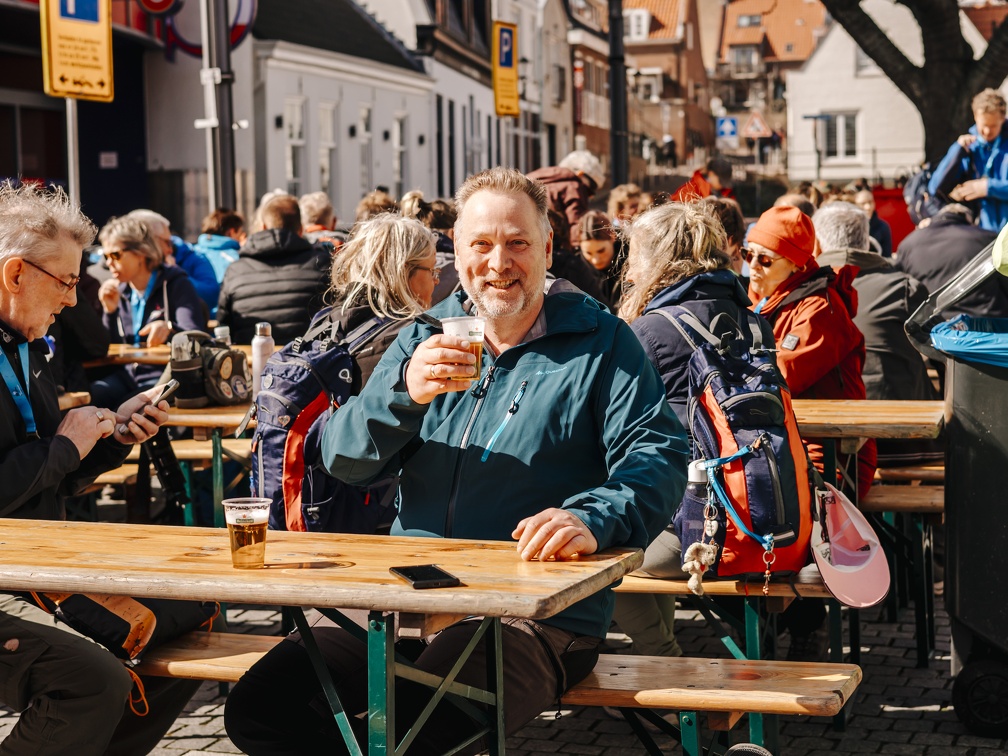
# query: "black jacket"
(934, 255)
(706, 295)
(572, 266)
(279, 278)
(38, 473)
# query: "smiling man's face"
(502, 257)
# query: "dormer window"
(637, 24)
(746, 21)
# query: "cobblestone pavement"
(899, 709)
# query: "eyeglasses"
(764, 261)
(435, 272)
(65, 286)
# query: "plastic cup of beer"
(246, 523)
(470, 328)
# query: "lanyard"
(759, 307)
(138, 304)
(19, 395)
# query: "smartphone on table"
(425, 576)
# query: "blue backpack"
(302, 385)
(920, 202)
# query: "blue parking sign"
(80, 10)
(506, 48)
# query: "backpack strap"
(367, 332)
(685, 317)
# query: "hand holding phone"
(425, 576)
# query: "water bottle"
(223, 334)
(262, 348)
(697, 495)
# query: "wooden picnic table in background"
(127, 354)
(869, 418)
(72, 399)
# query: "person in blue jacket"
(221, 235)
(976, 166)
(178, 252)
(144, 303)
(565, 445)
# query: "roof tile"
(791, 28)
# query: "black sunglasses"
(764, 261)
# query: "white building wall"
(889, 138)
(328, 85)
(473, 103)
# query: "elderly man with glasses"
(72, 692)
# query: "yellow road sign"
(505, 69)
(77, 48)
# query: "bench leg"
(381, 684)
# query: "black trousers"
(278, 706)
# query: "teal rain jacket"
(575, 418)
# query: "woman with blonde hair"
(388, 269)
(676, 261)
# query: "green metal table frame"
(384, 665)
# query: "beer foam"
(252, 512)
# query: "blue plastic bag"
(971, 339)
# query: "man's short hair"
(721, 168)
(505, 181)
(222, 221)
(34, 220)
(989, 101)
(316, 209)
(956, 208)
(582, 161)
(282, 212)
(841, 226)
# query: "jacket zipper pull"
(507, 416)
(480, 389)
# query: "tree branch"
(989, 70)
(866, 33)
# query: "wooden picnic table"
(869, 418)
(325, 570)
(71, 399)
(128, 354)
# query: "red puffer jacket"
(820, 351)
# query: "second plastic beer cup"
(471, 328)
(246, 523)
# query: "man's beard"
(492, 307)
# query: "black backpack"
(920, 202)
(302, 385)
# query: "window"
(637, 24)
(839, 135)
(744, 59)
(294, 131)
(749, 20)
(328, 167)
(864, 65)
(366, 156)
(399, 137)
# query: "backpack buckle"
(296, 345)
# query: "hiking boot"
(808, 648)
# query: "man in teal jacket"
(566, 444)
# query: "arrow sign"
(756, 126)
(727, 127)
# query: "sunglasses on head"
(764, 261)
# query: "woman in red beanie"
(819, 349)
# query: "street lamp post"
(618, 148)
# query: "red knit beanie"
(785, 231)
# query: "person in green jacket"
(565, 445)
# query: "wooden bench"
(724, 689)
(931, 474)
(191, 450)
(121, 476)
(921, 500)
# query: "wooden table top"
(869, 418)
(825, 418)
(302, 569)
(226, 418)
(72, 399)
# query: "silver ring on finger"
(99, 415)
